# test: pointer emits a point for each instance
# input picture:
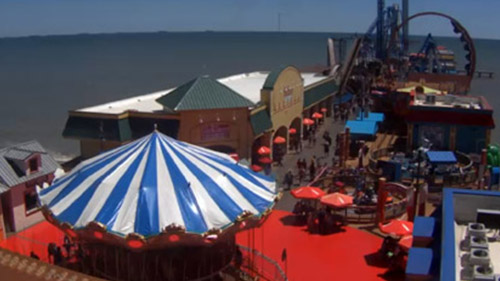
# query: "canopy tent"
(364, 128)
(157, 183)
(343, 98)
(441, 157)
(372, 116)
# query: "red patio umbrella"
(336, 200)
(308, 192)
(317, 115)
(234, 156)
(308, 122)
(265, 160)
(263, 150)
(292, 131)
(279, 140)
(256, 168)
(323, 109)
(406, 242)
(397, 227)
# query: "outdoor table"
(419, 264)
(423, 231)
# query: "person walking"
(288, 180)
(326, 148)
(312, 169)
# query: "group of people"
(308, 213)
(55, 254)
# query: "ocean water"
(41, 78)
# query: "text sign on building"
(287, 98)
(215, 131)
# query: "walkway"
(290, 160)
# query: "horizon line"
(211, 31)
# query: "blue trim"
(73, 212)
(246, 173)
(448, 240)
(84, 174)
(109, 212)
(61, 181)
(190, 211)
(258, 202)
(146, 216)
(225, 203)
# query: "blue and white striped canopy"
(155, 182)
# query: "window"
(33, 165)
(30, 200)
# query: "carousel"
(157, 209)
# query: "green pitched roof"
(260, 122)
(203, 93)
(272, 77)
(319, 92)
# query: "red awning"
(336, 200)
(256, 168)
(263, 150)
(265, 160)
(317, 115)
(308, 192)
(235, 156)
(397, 227)
(406, 242)
(308, 122)
(279, 140)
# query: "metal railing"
(256, 264)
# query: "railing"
(363, 213)
(256, 264)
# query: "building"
(462, 239)
(237, 114)
(22, 168)
(449, 122)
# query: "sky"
(52, 17)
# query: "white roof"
(246, 84)
(250, 84)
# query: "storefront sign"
(215, 131)
(288, 100)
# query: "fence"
(256, 264)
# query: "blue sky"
(43, 17)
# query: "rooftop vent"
(483, 273)
(479, 257)
(478, 242)
(476, 229)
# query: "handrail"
(272, 262)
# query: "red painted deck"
(36, 239)
(344, 254)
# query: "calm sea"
(41, 78)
